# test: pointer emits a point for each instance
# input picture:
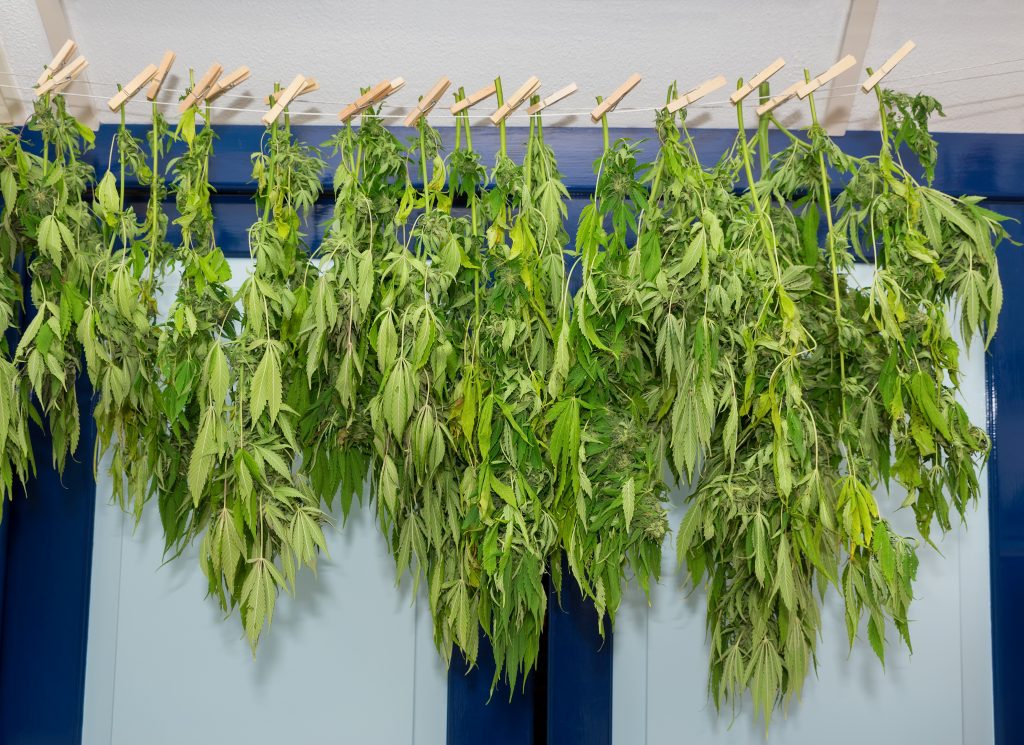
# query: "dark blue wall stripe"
(3, 568)
(579, 673)
(477, 716)
(46, 596)
(1005, 374)
(988, 164)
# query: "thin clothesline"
(270, 83)
(706, 104)
(113, 84)
(442, 113)
(516, 115)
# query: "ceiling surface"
(596, 44)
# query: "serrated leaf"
(204, 453)
(628, 500)
(49, 237)
(399, 397)
(387, 343)
(8, 189)
(217, 374)
(265, 389)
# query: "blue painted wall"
(1006, 487)
(45, 609)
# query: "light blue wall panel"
(941, 695)
(347, 660)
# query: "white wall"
(349, 659)
(942, 695)
(346, 44)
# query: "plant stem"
(751, 185)
(154, 195)
(886, 166)
(120, 152)
(762, 131)
(458, 122)
(46, 144)
(423, 166)
(884, 124)
(781, 128)
(503, 147)
(826, 198)
(478, 260)
(604, 127)
(271, 165)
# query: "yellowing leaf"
(265, 389)
(203, 456)
(628, 500)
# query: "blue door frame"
(46, 538)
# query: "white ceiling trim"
(859, 25)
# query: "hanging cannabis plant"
(613, 520)
(341, 372)
(509, 480)
(16, 459)
(118, 329)
(512, 394)
(795, 391)
(54, 212)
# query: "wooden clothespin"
(553, 98)
(58, 61)
(67, 74)
(868, 85)
(740, 93)
(613, 99)
(396, 85)
(696, 94)
(474, 98)
(161, 73)
(775, 101)
(516, 100)
(310, 86)
(374, 94)
(63, 76)
(428, 102)
(299, 83)
(222, 86)
(200, 89)
(839, 67)
(125, 94)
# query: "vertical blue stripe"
(476, 717)
(1005, 373)
(3, 561)
(46, 596)
(579, 696)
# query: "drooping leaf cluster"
(519, 394)
(800, 393)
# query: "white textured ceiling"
(345, 45)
